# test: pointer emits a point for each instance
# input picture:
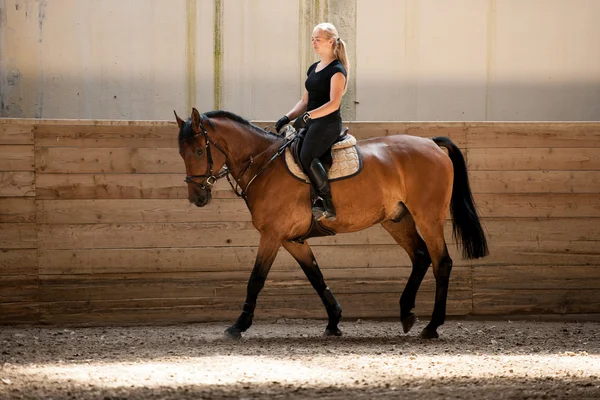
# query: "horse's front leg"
(267, 251)
(304, 255)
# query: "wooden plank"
(543, 252)
(231, 284)
(535, 181)
(533, 159)
(535, 277)
(164, 134)
(18, 262)
(453, 130)
(556, 301)
(16, 158)
(525, 205)
(19, 313)
(130, 160)
(18, 236)
(219, 259)
(481, 134)
(120, 186)
(376, 305)
(17, 184)
(364, 130)
(542, 229)
(130, 157)
(18, 288)
(147, 235)
(15, 132)
(150, 134)
(171, 186)
(533, 134)
(210, 259)
(153, 235)
(148, 210)
(142, 210)
(200, 234)
(216, 234)
(17, 209)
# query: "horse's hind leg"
(405, 234)
(304, 255)
(433, 234)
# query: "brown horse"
(406, 183)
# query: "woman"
(319, 110)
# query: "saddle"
(341, 161)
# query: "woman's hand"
(283, 121)
(302, 121)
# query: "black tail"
(466, 227)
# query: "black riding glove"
(283, 121)
(302, 121)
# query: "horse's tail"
(466, 227)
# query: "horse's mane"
(187, 133)
(236, 118)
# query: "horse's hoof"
(408, 322)
(332, 332)
(233, 333)
(428, 333)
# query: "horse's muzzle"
(200, 197)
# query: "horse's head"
(203, 158)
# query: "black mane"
(187, 133)
(229, 115)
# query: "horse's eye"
(199, 152)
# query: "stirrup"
(319, 213)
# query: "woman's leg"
(319, 137)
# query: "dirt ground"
(290, 359)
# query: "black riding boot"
(318, 177)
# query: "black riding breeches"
(319, 137)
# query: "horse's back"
(412, 169)
(410, 151)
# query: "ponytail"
(339, 51)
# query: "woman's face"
(320, 43)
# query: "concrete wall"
(411, 59)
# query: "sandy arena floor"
(290, 359)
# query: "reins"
(211, 178)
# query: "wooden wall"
(95, 228)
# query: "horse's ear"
(180, 122)
(195, 118)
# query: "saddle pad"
(345, 157)
(349, 141)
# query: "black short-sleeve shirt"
(318, 84)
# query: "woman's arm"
(299, 108)
(338, 81)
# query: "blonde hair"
(339, 46)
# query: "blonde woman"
(319, 110)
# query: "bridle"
(210, 178)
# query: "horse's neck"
(242, 143)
